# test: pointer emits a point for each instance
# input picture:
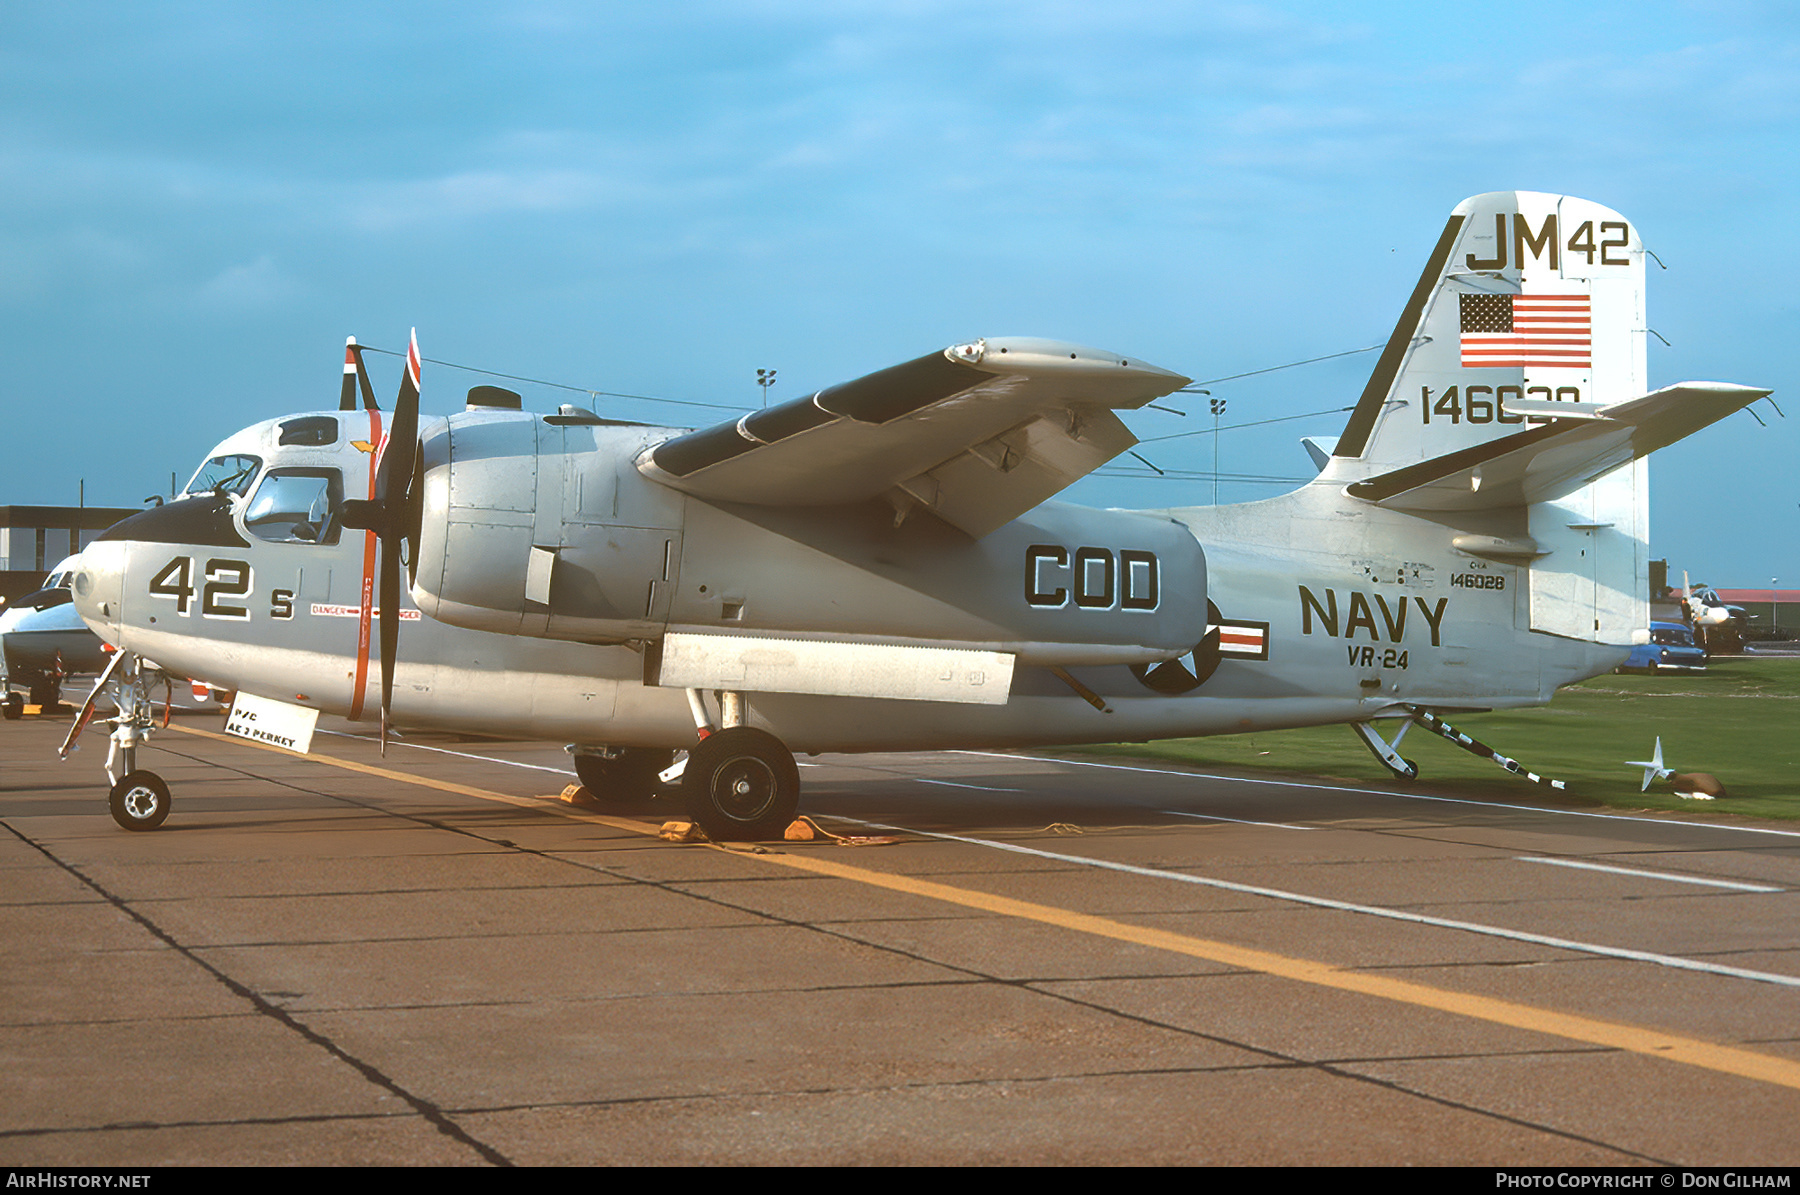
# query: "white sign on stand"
(275, 722)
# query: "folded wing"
(978, 434)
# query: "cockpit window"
(296, 506)
(233, 474)
(309, 431)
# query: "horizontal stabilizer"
(978, 434)
(1558, 458)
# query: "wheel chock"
(577, 794)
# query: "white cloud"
(249, 286)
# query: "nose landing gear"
(139, 799)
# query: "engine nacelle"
(540, 525)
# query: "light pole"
(1218, 409)
(765, 378)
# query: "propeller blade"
(347, 398)
(362, 377)
(393, 482)
(390, 627)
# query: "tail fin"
(1515, 381)
(1527, 298)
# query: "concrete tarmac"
(430, 959)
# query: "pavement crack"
(432, 1114)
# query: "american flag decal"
(1526, 330)
(1243, 640)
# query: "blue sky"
(202, 200)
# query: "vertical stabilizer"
(1529, 300)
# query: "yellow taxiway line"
(1635, 1039)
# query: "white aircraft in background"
(43, 640)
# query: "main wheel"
(626, 779)
(140, 801)
(741, 785)
(14, 708)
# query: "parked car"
(1671, 649)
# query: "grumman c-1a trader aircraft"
(878, 566)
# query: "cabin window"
(309, 431)
(296, 506)
(232, 473)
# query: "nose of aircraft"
(99, 586)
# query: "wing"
(978, 434)
(1558, 458)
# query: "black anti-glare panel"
(204, 521)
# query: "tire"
(741, 785)
(14, 708)
(627, 779)
(140, 801)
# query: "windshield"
(233, 474)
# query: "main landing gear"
(139, 799)
(741, 783)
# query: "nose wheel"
(741, 785)
(140, 800)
